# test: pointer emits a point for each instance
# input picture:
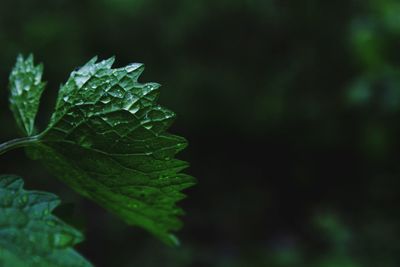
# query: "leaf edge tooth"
(11, 182)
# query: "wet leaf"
(26, 87)
(107, 139)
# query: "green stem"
(16, 143)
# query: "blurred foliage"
(290, 108)
(30, 234)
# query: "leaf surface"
(29, 234)
(107, 139)
(26, 88)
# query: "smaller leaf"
(26, 88)
(29, 234)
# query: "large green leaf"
(26, 88)
(107, 139)
(29, 234)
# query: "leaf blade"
(26, 88)
(107, 139)
(29, 234)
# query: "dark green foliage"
(291, 108)
(30, 236)
(26, 87)
(107, 140)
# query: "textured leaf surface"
(26, 88)
(107, 139)
(29, 234)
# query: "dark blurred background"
(291, 109)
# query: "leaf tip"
(172, 240)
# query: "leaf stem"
(16, 143)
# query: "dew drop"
(105, 100)
(148, 126)
(133, 109)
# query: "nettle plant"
(107, 140)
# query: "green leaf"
(26, 88)
(29, 234)
(107, 139)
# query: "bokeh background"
(291, 108)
